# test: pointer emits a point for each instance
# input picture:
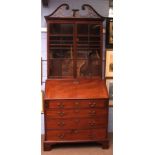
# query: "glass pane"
(61, 67)
(88, 46)
(61, 40)
(82, 53)
(82, 40)
(88, 67)
(61, 28)
(94, 29)
(82, 29)
(60, 53)
(82, 68)
(94, 39)
(88, 54)
(67, 67)
(95, 67)
(61, 46)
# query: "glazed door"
(88, 50)
(74, 50)
(60, 50)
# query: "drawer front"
(76, 123)
(62, 104)
(74, 113)
(66, 135)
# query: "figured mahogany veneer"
(76, 89)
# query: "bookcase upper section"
(74, 43)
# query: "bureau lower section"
(68, 121)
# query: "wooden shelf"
(88, 48)
(73, 59)
(89, 41)
(61, 44)
(88, 35)
(52, 48)
(62, 41)
(61, 35)
(87, 45)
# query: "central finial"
(75, 12)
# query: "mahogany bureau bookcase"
(76, 98)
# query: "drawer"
(74, 113)
(76, 123)
(66, 135)
(62, 104)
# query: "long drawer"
(74, 113)
(71, 135)
(76, 123)
(99, 103)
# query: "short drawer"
(75, 134)
(62, 104)
(74, 113)
(76, 123)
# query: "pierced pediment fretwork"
(64, 10)
(90, 11)
(61, 11)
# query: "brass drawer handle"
(77, 103)
(60, 105)
(61, 113)
(92, 105)
(61, 124)
(61, 136)
(92, 123)
(92, 112)
(75, 131)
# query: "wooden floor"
(80, 149)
